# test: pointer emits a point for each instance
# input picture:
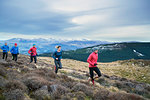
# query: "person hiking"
(92, 60)
(57, 55)
(5, 49)
(33, 54)
(15, 52)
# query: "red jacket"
(32, 51)
(92, 59)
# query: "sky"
(105, 20)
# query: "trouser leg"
(96, 69)
(16, 57)
(91, 73)
(31, 59)
(13, 57)
(3, 55)
(6, 56)
(60, 64)
(35, 59)
(56, 66)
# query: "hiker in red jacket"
(33, 54)
(92, 60)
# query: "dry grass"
(137, 73)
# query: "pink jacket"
(32, 51)
(92, 59)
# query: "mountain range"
(48, 45)
(111, 52)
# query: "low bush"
(16, 94)
(15, 84)
(35, 82)
(41, 95)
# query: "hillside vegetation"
(111, 52)
(22, 81)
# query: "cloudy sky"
(106, 20)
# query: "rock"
(44, 87)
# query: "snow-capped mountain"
(48, 45)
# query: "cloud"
(112, 20)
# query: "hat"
(16, 44)
(33, 44)
(94, 49)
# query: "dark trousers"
(58, 65)
(15, 57)
(31, 59)
(96, 69)
(5, 54)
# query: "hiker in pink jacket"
(92, 60)
(33, 54)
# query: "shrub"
(66, 78)
(35, 82)
(15, 84)
(84, 88)
(69, 85)
(101, 94)
(14, 95)
(124, 96)
(44, 72)
(58, 90)
(3, 81)
(80, 95)
(3, 72)
(41, 95)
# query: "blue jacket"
(5, 48)
(57, 55)
(14, 50)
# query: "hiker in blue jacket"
(57, 55)
(5, 49)
(15, 51)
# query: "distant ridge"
(112, 52)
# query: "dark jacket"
(58, 55)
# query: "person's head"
(5, 43)
(33, 45)
(96, 50)
(15, 44)
(58, 48)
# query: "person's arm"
(11, 50)
(89, 60)
(61, 55)
(2, 47)
(29, 51)
(18, 50)
(8, 48)
(36, 52)
(54, 55)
